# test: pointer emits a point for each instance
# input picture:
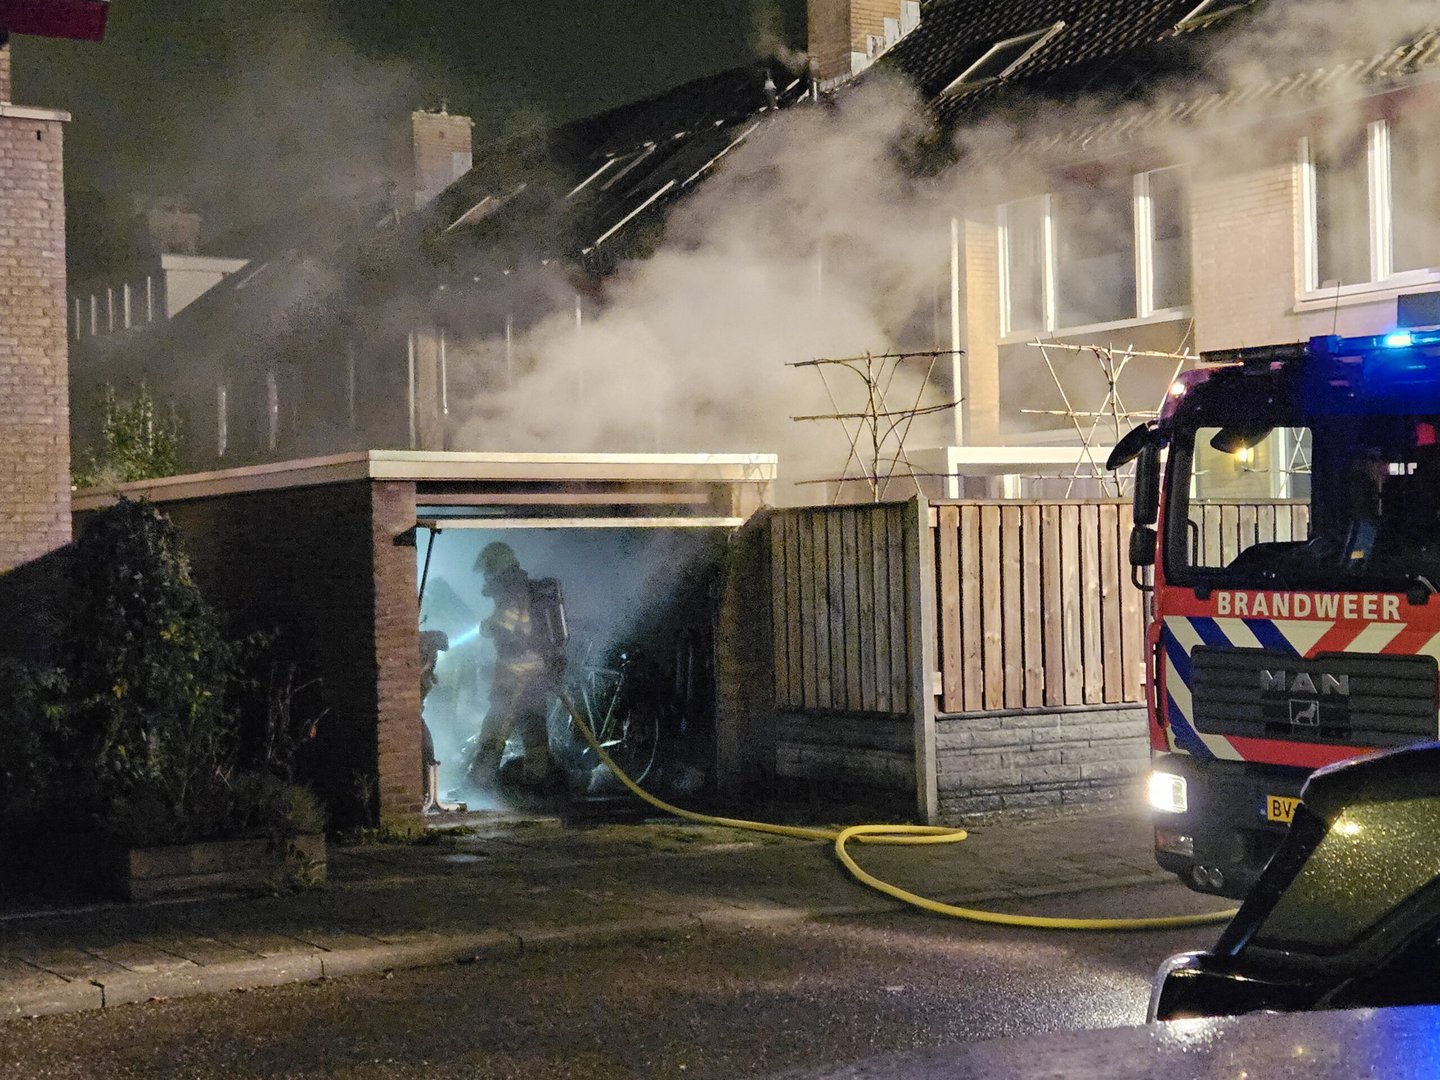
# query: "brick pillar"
(34, 387)
(397, 652)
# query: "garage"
(330, 555)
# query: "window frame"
(1143, 245)
(1038, 39)
(1380, 228)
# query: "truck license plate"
(1280, 808)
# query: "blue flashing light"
(1401, 339)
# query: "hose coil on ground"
(896, 834)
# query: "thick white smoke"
(815, 240)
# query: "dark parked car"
(1346, 913)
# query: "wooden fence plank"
(947, 575)
(1132, 615)
(1031, 608)
(1265, 524)
(835, 559)
(820, 614)
(1071, 603)
(798, 628)
(971, 614)
(1249, 529)
(805, 534)
(780, 642)
(865, 574)
(1284, 523)
(1052, 589)
(992, 642)
(1210, 537)
(1093, 662)
(1012, 609)
(900, 688)
(884, 599)
(1112, 648)
(1229, 533)
(851, 629)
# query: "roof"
(529, 470)
(1140, 51)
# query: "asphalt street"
(742, 1002)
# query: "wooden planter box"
(219, 866)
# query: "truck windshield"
(1315, 502)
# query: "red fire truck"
(1294, 534)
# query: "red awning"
(81, 19)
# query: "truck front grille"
(1358, 698)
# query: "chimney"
(441, 152)
(846, 36)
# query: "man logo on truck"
(1302, 683)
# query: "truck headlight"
(1167, 793)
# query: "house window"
(1109, 251)
(1162, 220)
(1095, 253)
(1002, 58)
(1026, 245)
(1339, 210)
(1372, 206)
(1414, 193)
(222, 421)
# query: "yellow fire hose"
(894, 834)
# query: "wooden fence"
(840, 605)
(1033, 606)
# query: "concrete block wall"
(865, 762)
(1025, 760)
(34, 388)
(320, 566)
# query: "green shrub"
(137, 442)
(141, 732)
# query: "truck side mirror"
(1142, 553)
(1147, 485)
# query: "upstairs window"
(1371, 206)
(1111, 250)
(1095, 253)
(1003, 57)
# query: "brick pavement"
(517, 884)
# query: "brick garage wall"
(320, 566)
(34, 394)
(1042, 759)
(745, 668)
(396, 658)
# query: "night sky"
(236, 104)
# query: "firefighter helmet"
(496, 558)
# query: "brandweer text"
(1372, 607)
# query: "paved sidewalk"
(536, 883)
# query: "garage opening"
(619, 616)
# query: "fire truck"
(1287, 514)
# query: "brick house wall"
(321, 566)
(34, 392)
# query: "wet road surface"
(744, 1004)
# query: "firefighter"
(523, 687)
